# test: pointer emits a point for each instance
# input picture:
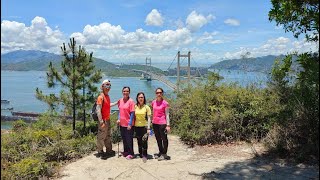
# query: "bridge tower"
(183, 67)
(148, 69)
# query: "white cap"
(105, 81)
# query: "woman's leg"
(129, 139)
(164, 138)
(139, 134)
(156, 128)
(145, 143)
(124, 139)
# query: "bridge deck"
(161, 78)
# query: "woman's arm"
(167, 116)
(131, 119)
(114, 103)
(98, 111)
(168, 120)
(149, 121)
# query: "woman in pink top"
(161, 124)
(125, 119)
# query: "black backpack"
(93, 113)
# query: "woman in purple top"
(161, 124)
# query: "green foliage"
(29, 168)
(45, 121)
(78, 73)
(299, 17)
(215, 114)
(91, 128)
(38, 149)
(19, 125)
(296, 130)
(83, 145)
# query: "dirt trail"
(216, 162)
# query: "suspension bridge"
(148, 75)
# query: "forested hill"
(38, 61)
(31, 55)
(259, 64)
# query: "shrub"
(43, 123)
(19, 125)
(29, 168)
(215, 114)
(296, 132)
(91, 127)
(37, 150)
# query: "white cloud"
(208, 38)
(216, 42)
(232, 22)
(275, 46)
(38, 35)
(112, 43)
(80, 39)
(195, 21)
(280, 40)
(304, 46)
(104, 33)
(107, 36)
(154, 18)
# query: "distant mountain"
(31, 55)
(259, 64)
(39, 61)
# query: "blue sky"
(129, 31)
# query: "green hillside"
(259, 64)
(22, 61)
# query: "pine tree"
(78, 73)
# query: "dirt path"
(216, 162)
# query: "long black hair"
(144, 98)
(125, 88)
(160, 89)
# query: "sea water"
(19, 87)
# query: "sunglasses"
(158, 92)
(107, 86)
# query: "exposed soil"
(235, 161)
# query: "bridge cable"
(172, 62)
(196, 66)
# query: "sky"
(124, 31)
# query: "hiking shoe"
(156, 156)
(144, 159)
(99, 154)
(163, 157)
(111, 153)
(124, 154)
(129, 157)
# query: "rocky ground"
(235, 161)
